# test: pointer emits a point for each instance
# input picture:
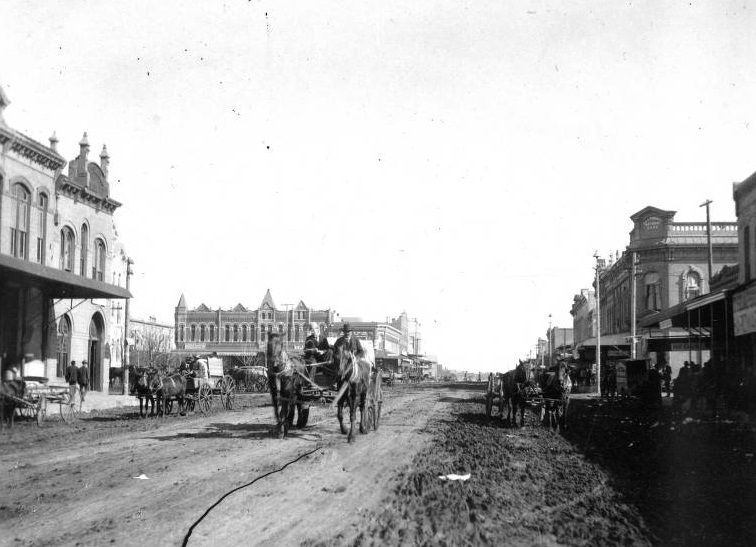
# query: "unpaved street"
(65, 485)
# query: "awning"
(620, 339)
(56, 283)
(676, 316)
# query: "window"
(41, 227)
(692, 285)
(181, 333)
(202, 333)
(66, 249)
(251, 333)
(212, 332)
(20, 221)
(64, 345)
(296, 333)
(244, 333)
(84, 251)
(653, 291)
(98, 270)
(194, 333)
(228, 333)
(236, 333)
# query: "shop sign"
(744, 311)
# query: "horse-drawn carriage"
(197, 383)
(547, 392)
(31, 398)
(251, 378)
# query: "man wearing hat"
(348, 339)
(83, 379)
(72, 376)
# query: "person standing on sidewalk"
(667, 377)
(83, 379)
(72, 377)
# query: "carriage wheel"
(227, 388)
(189, 404)
(204, 398)
(69, 410)
(262, 384)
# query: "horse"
(143, 379)
(352, 386)
(166, 388)
(286, 376)
(514, 385)
(556, 387)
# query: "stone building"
(151, 342)
(240, 331)
(583, 313)
(61, 264)
(744, 295)
(671, 268)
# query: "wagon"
(201, 391)
(37, 399)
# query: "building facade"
(583, 313)
(151, 342)
(744, 295)
(671, 267)
(61, 263)
(240, 331)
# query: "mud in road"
(66, 485)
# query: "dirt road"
(77, 486)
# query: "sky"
(458, 160)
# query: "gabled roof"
(239, 307)
(182, 302)
(301, 306)
(650, 210)
(268, 301)
(202, 307)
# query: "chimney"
(104, 160)
(54, 142)
(83, 151)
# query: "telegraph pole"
(708, 234)
(598, 323)
(126, 356)
(633, 273)
(550, 348)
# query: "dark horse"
(555, 388)
(166, 388)
(286, 376)
(352, 386)
(143, 378)
(13, 389)
(514, 386)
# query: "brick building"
(241, 331)
(583, 313)
(672, 268)
(61, 263)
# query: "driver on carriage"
(316, 349)
(350, 342)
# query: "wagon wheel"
(227, 388)
(69, 410)
(261, 384)
(204, 398)
(489, 396)
(377, 401)
(189, 403)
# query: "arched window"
(652, 282)
(244, 333)
(252, 333)
(236, 333)
(202, 333)
(228, 332)
(181, 333)
(98, 270)
(212, 332)
(64, 345)
(692, 285)
(84, 251)
(296, 333)
(67, 249)
(41, 227)
(20, 221)
(194, 333)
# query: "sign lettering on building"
(744, 311)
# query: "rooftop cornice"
(29, 148)
(76, 191)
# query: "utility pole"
(708, 234)
(633, 274)
(598, 322)
(550, 349)
(126, 356)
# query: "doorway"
(96, 329)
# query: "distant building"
(241, 332)
(62, 267)
(152, 342)
(583, 313)
(560, 341)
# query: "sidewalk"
(97, 400)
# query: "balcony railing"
(700, 227)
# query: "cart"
(202, 391)
(36, 400)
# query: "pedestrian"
(72, 377)
(667, 377)
(83, 379)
